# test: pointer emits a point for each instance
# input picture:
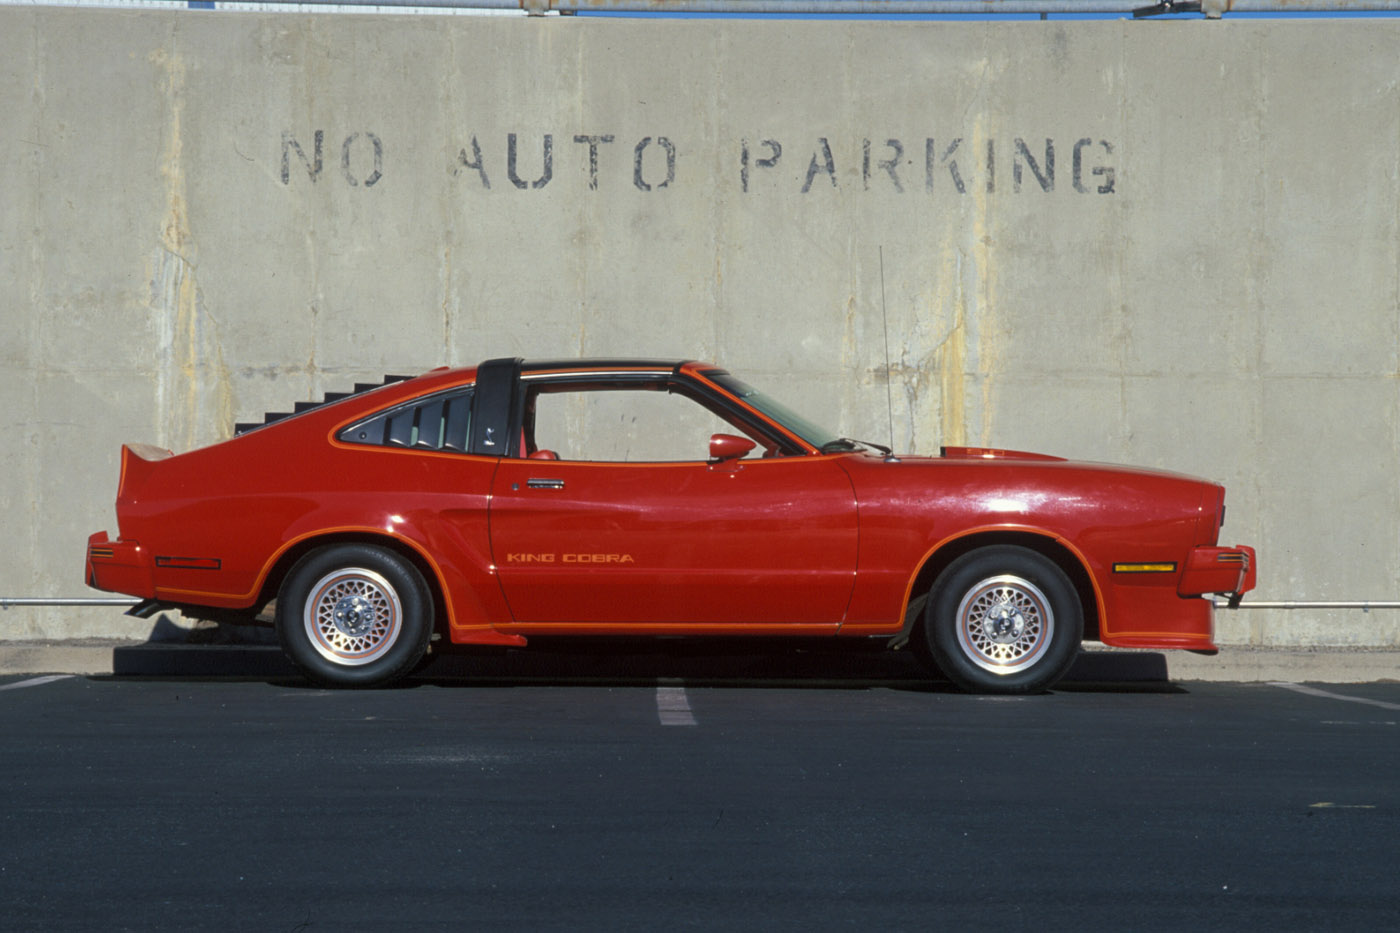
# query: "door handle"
(538, 483)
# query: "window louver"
(440, 422)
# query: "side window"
(439, 422)
(633, 424)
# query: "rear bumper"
(119, 567)
(1229, 571)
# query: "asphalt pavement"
(614, 799)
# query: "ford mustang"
(486, 505)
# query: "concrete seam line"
(1314, 692)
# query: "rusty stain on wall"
(950, 364)
(989, 335)
(192, 381)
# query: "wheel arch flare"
(1048, 545)
(290, 556)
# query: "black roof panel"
(600, 363)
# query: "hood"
(1008, 459)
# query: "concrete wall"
(206, 216)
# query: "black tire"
(354, 615)
(1003, 619)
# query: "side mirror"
(728, 447)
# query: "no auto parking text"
(932, 164)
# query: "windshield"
(812, 433)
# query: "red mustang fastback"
(639, 497)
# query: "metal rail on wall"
(1364, 605)
(15, 602)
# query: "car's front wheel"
(354, 615)
(1003, 619)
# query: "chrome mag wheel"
(1005, 624)
(353, 616)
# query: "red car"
(640, 497)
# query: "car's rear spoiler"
(137, 461)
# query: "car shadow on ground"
(625, 662)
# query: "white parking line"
(36, 681)
(672, 707)
(1314, 692)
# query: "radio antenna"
(889, 373)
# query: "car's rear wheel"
(1003, 619)
(354, 615)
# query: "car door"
(634, 540)
(767, 541)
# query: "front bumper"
(1229, 571)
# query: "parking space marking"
(36, 681)
(673, 708)
(1314, 692)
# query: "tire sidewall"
(940, 626)
(416, 611)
